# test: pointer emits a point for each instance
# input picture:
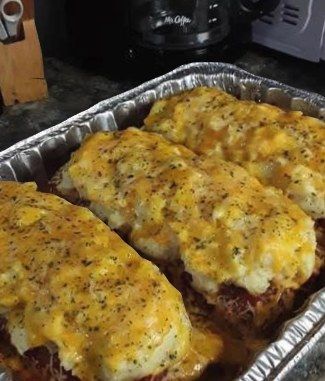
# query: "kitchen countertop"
(72, 90)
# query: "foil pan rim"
(299, 334)
(216, 67)
(300, 339)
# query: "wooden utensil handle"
(21, 64)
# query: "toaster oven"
(296, 27)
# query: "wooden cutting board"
(21, 64)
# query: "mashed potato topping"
(68, 281)
(223, 224)
(281, 148)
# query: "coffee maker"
(166, 33)
(149, 37)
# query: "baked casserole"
(246, 247)
(69, 283)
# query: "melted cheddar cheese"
(221, 222)
(206, 348)
(281, 148)
(67, 281)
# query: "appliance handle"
(254, 9)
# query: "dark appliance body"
(147, 37)
(166, 33)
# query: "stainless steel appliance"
(296, 27)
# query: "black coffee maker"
(166, 33)
(149, 37)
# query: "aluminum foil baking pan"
(37, 157)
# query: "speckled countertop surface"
(72, 90)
